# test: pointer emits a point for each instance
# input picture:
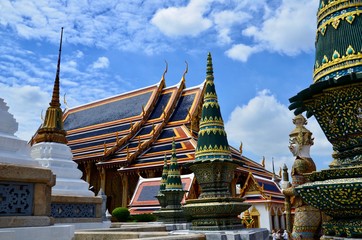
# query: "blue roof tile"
(111, 111)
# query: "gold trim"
(336, 61)
(214, 131)
(336, 20)
(335, 55)
(323, 12)
(212, 104)
(323, 70)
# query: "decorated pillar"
(334, 99)
(125, 184)
(88, 172)
(102, 174)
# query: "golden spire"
(263, 162)
(52, 128)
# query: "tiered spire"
(212, 142)
(164, 175)
(52, 128)
(173, 175)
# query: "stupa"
(335, 99)
(171, 192)
(216, 208)
(25, 187)
(72, 201)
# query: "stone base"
(215, 213)
(76, 209)
(178, 226)
(90, 225)
(170, 216)
(244, 234)
(337, 238)
(25, 221)
(58, 232)
(25, 195)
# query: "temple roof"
(144, 200)
(133, 131)
(261, 189)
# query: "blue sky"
(263, 54)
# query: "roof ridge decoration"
(137, 126)
(173, 182)
(183, 79)
(166, 117)
(249, 183)
(52, 129)
(212, 142)
(163, 79)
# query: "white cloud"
(26, 104)
(225, 20)
(102, 62)
(79, 54)
(183, 21)
(286, 27)
(264, 124)
(241, 52)
(290, 30)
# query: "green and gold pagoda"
(160, 196)
(214, 168)
(335, 99)
(171, 192)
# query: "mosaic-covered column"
(335, 99)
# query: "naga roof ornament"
(52, 128)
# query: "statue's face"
(294, 146)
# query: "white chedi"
(58, 158)
(13, 150)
